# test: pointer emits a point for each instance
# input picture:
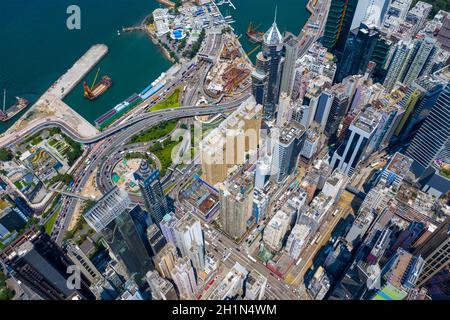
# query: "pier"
(67, 82)
(50, 106)
(133, 29)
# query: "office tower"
(161, 288)
(421, 65)
(323, 108)
(297, 240)
(259, 78)
(152, 192)
(155, 239)
(338, 25)
(357, 138)
(86, 266)
(435, 250)
(232, 286)
(272, 50)
(338, 110)
(226, 147)
(111, 217)
(291, 49)
(369, 12)
(276, 230)
(420, 98)
(285, 109)
(399, 275)
(184, 277)
(303, 115)
(358, 51)
(165, 260)
(190, 242)
(380, 56)
(311, 145)
(255, 286)
(39, 263)
(167, 226)
(443, 36)
(262, 172)
(236, 203)
(398, 67)
(260, 205)
(434, 136)
(286, 151)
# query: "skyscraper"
(259, 78)
(165, 260)
(111, 217)
(338, 25)
(357, 138)
(436, 252)
(358, 51)
(236, 203)
(190, 242)
(403, 55)
(150, 185)
(338, 110)
(291, 50)
(155, 239)
(40, 264)
(434, 136)
(272, 51)
(286, 151)
(161, 288)
(418, 67)
(184, 277)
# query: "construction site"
(230, 75)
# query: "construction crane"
(88, 90)
(253, 50)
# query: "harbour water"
(36, 47)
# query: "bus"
(251, 258)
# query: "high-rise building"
(418, 15)
(155, 239)
(260, 205)
(404, 52)
(338, 109)
(358, 51)
(39, 263)
(161, 288)
(262, 172)
(357, 138)
(369, 12)
(167, 226)
(338, 25)
(323, 108)
(111, 217)
(259, 78)
(286, 151)
(272, 51)
(434, 136)
(165, 260)
(276, 230)
(436, 252)
(184, 277)
(420, 98)
(255, 286)
(225, 148)
(420, 64)
(291, 49)
(86, 266)
(297, 240)
(154, 197)
(190, 242)
(232, 285)
(443, 36)
(236, 203)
